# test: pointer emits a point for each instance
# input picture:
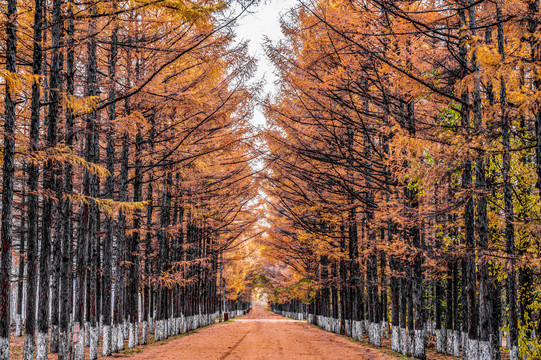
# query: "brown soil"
(260, 335)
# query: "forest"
(404, 174)
(393, 195)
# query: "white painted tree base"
(63, 345)
(419, 347)
(136, 333)
(94, 338)
(513, 353)
(456, 344)
(181, 324)
(473, 349)
(80, 348)
(87, 334)
(131, 335)
(440, 341)
(120, 338)
(18, 327)
(354, 329)
(125, 330)
(336, 325)
(376, 334)
(114, 339)
(119, 335)
(484, 350)
(144, 333)
(106, 341)
(403, 341)
(29, 341)
(157, 330)
(411, 342)
(449, 342)
(4, 348)
(42, 348)
(395, 338)
(385, 328)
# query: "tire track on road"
(230, 351)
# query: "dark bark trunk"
(533, 9)
(147, 287)
(22, 255)
(55, 266)
(109, 193)
(107, 307)
(495, 297)
(134, 248)
(49, 187)
(163, 267)
(469, 324)
(404, 295)
(121, 246)
(55, 81)
(508, 206)
(108, 244)
(8, 172)
(33, 175)
(410, 310)
(395, 305)
(344, 294)
(383, 295)
(66, 285)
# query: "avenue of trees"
(126, 175)
(404, 174)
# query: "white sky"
(263, 21)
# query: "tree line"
(126, 174)
(404, 174)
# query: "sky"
(263, 21)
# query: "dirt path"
(259, 335)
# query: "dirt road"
(259, 335)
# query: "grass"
(131, 351)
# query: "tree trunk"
(508, 205)
(66, 285)
(33, 175)
(8, 172)
(148, 249)
(120, 283)
(133, 287)
(55, 80)
(22, 255)
(49, 187)
(109, 193)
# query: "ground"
(259, 335)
